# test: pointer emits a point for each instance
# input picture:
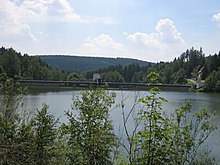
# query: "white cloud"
(164, 42)
(166, 33)
(15, 30)
(105, 45)
(17, 16)
(149, 40)
(49, 10)
(216, 17)
(13, 22)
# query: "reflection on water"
(60, 101)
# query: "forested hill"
(84, 64)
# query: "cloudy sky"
(151, 30)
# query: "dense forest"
(15, 65)
(84, 64)
(189, 65)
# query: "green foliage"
(152, 141)
(11, 63)
(44, 134)
(27, 67)
(11, 147)
(91, 138)
(75, 76)
(138, 77)
(12, 94)
(128, 73)
(61, 149)
(88, 138)
(112, 76)
(180, 76)
(186, 66)
(212, 82)
(158, 139)
(23, 141)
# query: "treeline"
(188, 66)
(129, 73)
(18, 66)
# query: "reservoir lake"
(60, 101)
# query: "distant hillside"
(84, 64)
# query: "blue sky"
(151, 30)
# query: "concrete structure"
(106, 85)
(97, 77)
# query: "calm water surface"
(61, 101)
